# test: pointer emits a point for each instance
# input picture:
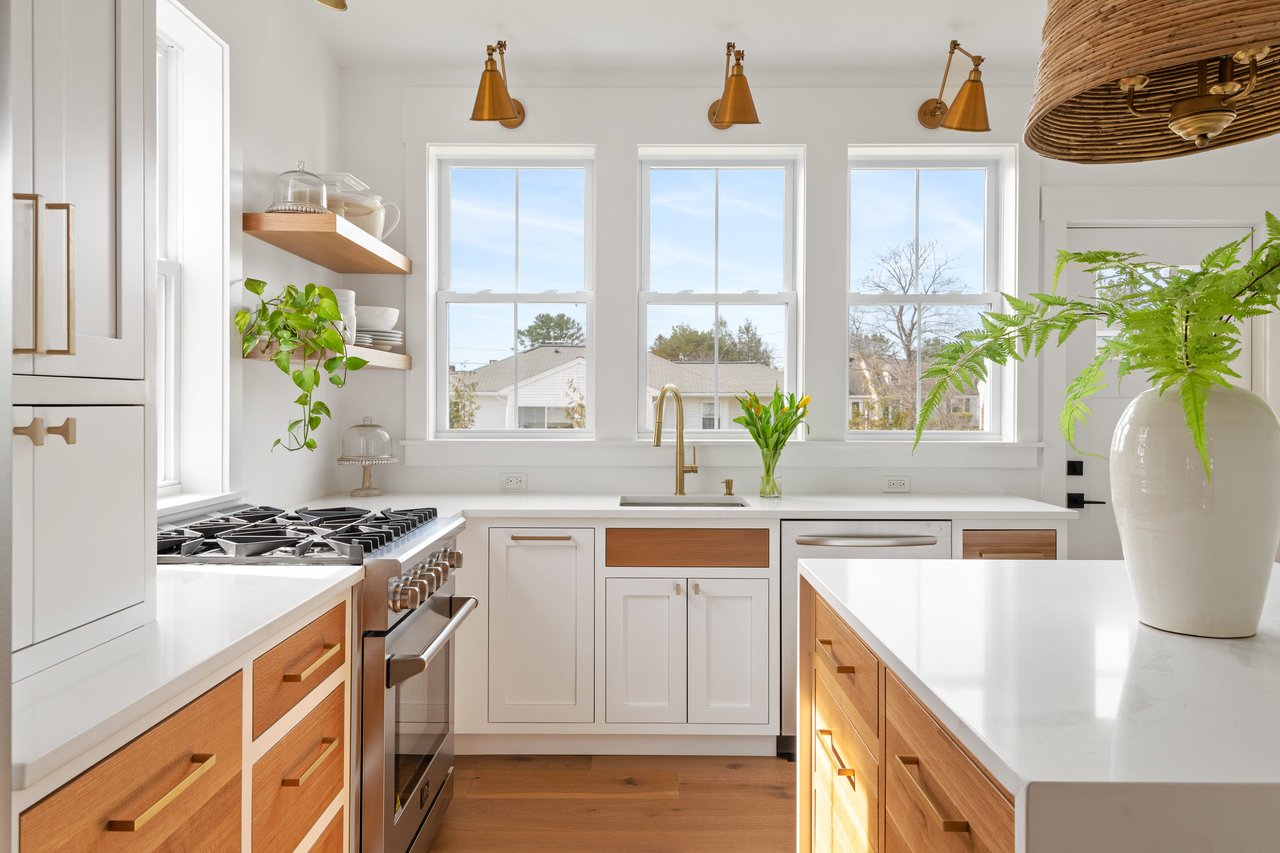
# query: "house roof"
(691, 377)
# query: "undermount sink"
(683, 500)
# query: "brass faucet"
(681, 468)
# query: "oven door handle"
(403, 667)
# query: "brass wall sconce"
(493, 100)
(735, 105)
(339, 5)
(968, 111)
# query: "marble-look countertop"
(868, 506)
(206, 618)
(1043, 671)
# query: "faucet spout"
(681, 467)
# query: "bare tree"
(577, 408)
(463, 403)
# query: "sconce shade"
(340, 5)
(1079, 111)
(969, 109)
(493, 101)
(736, 105)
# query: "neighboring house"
(883, 401)
(552, 378)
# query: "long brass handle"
(66, 430)
(37, 275)
(35, 431)
(204, 763)
(71, 276)
(824, 648)
(930, 807)
(697, 588)
(330, 744)
(828, 741)
(522, 538)
(1010, 555)
(679, 589)
(330, 649)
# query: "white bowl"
(376, 318)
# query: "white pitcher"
(368, 211)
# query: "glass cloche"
(366, 444)
(300, 191)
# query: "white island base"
(1033, 711)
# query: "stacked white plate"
(347, 307)
(380, 339)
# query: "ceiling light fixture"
(493, 100)
(968, 111)
(340, 5)
(735, 105)
(1150, 79)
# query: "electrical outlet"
(895, 484)
(513, 482)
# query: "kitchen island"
(1020, 705)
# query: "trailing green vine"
(301, 330)
(1181, 327)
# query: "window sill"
(185, 503)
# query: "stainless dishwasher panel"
(840, 540)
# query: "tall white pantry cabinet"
(84, 472)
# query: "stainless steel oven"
(406, 704)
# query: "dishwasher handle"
(868, 540)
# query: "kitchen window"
(718, 295)
(923, 266)
(514, 302)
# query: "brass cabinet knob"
(67, 430)
(34, 431)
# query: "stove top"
(267, 535)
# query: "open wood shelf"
(377, 358)
(327, 239)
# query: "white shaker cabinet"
(82, 80)
(80, 554)
(541, 625)
(646, 662)
(729, 650)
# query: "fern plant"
(1180, 327)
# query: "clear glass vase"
(769, 487)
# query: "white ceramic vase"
(1199, 554)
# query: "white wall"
(389, 116)
(284, 108)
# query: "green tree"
(686, 343)
(552, 329)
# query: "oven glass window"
(422, 722)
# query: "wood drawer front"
(855, 801)
(129, 784)
(330, 841)
(299, 777)
(853, 667)
(936, 798)
(282, 676)
(687, 547)
(1010, 544)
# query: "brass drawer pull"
(204, 763)
(827, 739)
(521, 538)
(66, 430)
(330, 744)
(1011, 555)
(34, 431)
(930, 807)
(330, 649)
(37, 275)
(71, 277)
(828, 654)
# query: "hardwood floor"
(620, 803)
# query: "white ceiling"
(679, 42)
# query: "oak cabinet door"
(729, 660)
(541, 625)
(645, 650)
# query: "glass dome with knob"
(366, 444)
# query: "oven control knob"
(403, 597)
(422, 587)
(423, 575)
(453, 557)
(443, 570)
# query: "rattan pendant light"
(1149, 79)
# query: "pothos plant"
(1179, 326)
(302, 322)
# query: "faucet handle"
(693, 469)
(728, 488)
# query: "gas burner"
(258, 513)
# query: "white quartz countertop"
(1043, 671)
(206, 618)
(869, 506)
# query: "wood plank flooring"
(620, 804)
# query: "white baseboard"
(553, 744)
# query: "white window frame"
(996, 272)
(791, 159)
(510, 157)
(168, 361)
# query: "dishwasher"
(840, 540)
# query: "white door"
(1094, 535)
(645, 648)
(88, 493)
(541, 625)
(92, 87)
(729, 650)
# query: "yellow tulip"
(804, 401)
